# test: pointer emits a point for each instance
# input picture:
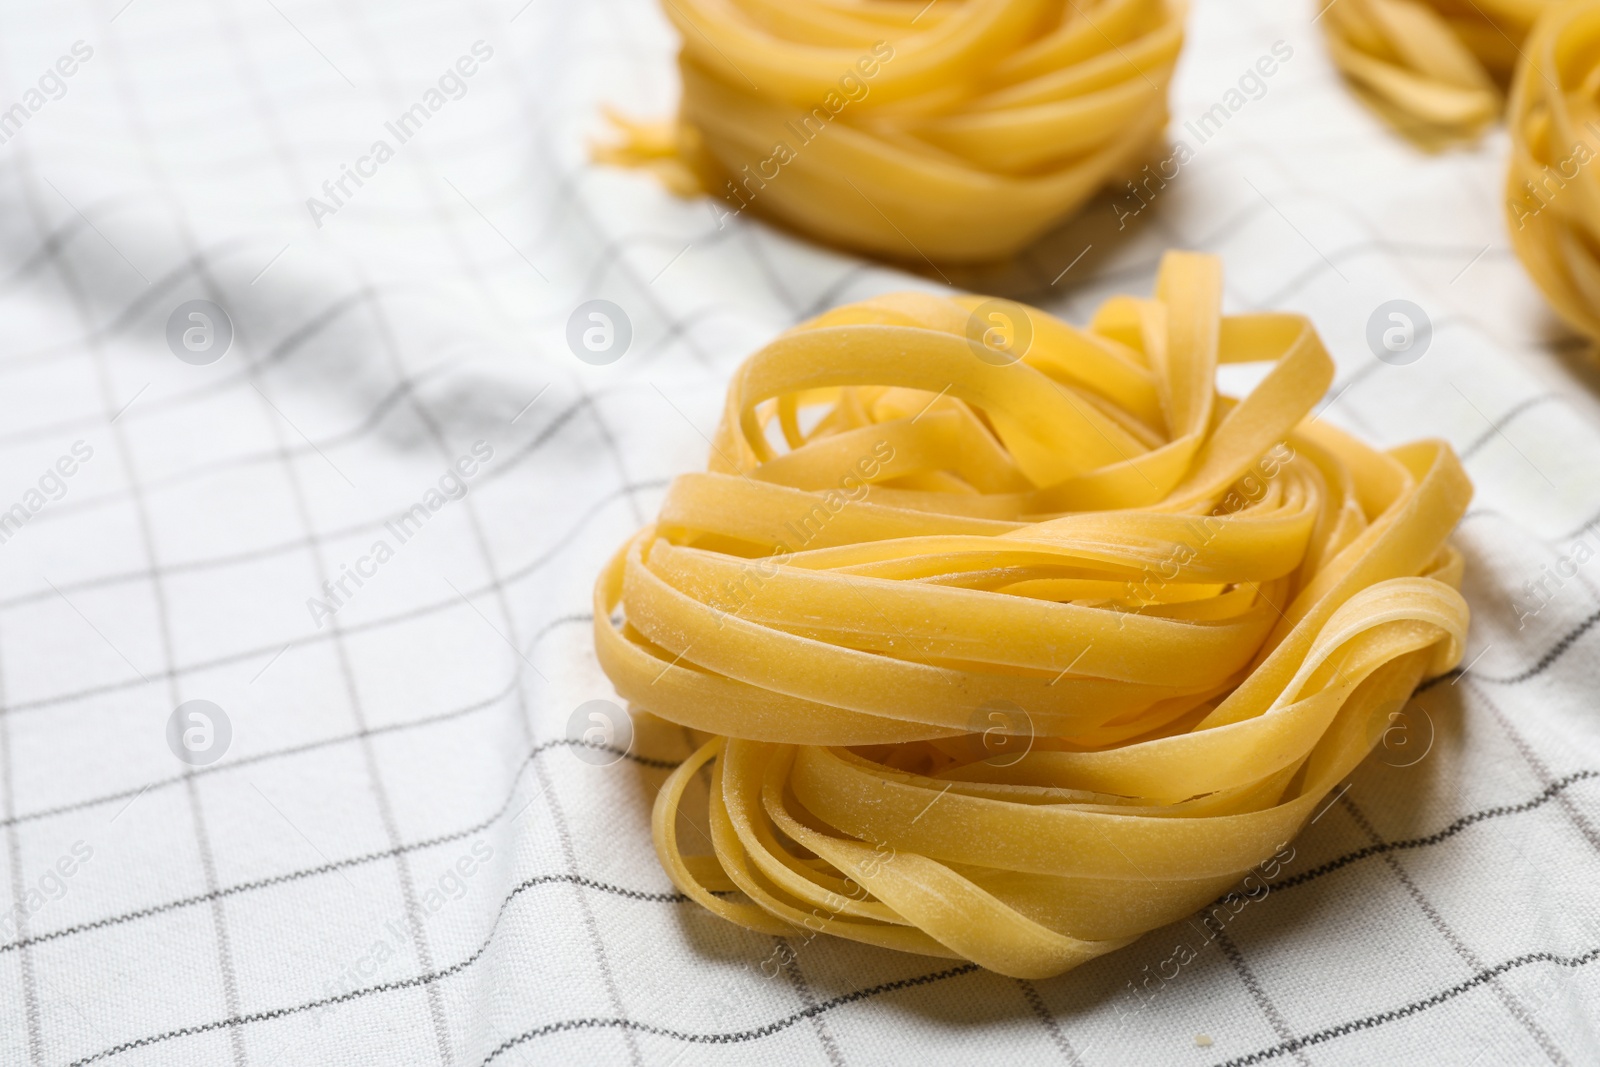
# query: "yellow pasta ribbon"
(1434, 68)
(959, 130)
(1011, 641)
(1552, 190)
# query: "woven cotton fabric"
(417, 846)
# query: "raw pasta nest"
(1433, 67)
(1012, 641)
(958, 131)
(1552, 191)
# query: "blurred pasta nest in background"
(1552, 191)
(1435, 68)
(958, 131)
(1011, 641)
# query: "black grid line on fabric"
(1142, 269)
(131, 105)
(428, 978)
(552, 801)
(1329, 867)
(55, 244)
(1554, 554)
(1538, 667)
(1562, 645)
(808, 1000)
(337, 865)
(239, 763)
(1036, 1005)
(432, 607)
(1554, 653)
(297, 339)
(498, 585)
(1538, 800)
(32, 1012)
(1541, 770)
(1136, 270)
(8, 803)
(613, 252)
(737, 1037)
(386, 334)
(224, 766)
(591, 925)
(78, 300)
(1287, 1047)
(1512, 414)
(1544, 662)
(678, 329)
(1487, 512)
(390, 402)
(1550, 792)
(1258, 993)
(49, 247)
(376, 783)
(545, 436)
(619, 1023)
(385, 405)
(581, 881)
(1370, 1022)
(197, 264)
(144, 301)
(379, 786)
(1458, 945)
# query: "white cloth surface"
(409, 752)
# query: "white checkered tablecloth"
(399, 858)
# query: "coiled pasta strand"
(1552, 192)
(957, 131)
(1011, 641)
(1434, 67)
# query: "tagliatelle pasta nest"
(1011, 641)
(958, 131)
(1434, 67)
(1552, 191)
